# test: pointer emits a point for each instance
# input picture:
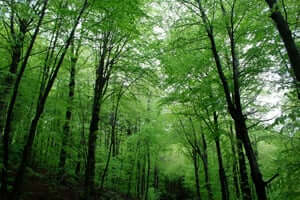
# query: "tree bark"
(287, 38)
(234, 164)
(156, 177)
(222, 174)
(138, 179)
(255, 172)
(106, 166)
(90, 168)
(205, 166)
(89, 184)
(66, 127)
(196, 172)
(245, 187)
(148, 171)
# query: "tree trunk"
(245, 187)
(131, 171)
(143, 177)
(90, 168)
(138, 179)
(205, 166)
(156, 177)
(196, 172)
(222, 174)
(148, 172)
(106, 166)
(242, 133)
(234, 164)
(287, 38)
(66, 127)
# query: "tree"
(40, 107)
(287, 38)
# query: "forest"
(149, 100)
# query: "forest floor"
(40, 186)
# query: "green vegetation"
(149, 99)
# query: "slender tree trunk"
(81, 154)
(222, 174)
(287, 38)
(66, 127)
(129, 182)
(156, 177)
(196, 172)
(234, 164)
(245, 187)
(90, 168)
(148, 172)
(205, 166)
(112, 146)
(106, 166)
(99, 91)
(143, 177)
(138, 179)
(256, 175)
(131, 171)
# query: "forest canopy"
(150, 99)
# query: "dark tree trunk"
(89, 185)
(148, 172)
(106, 166)
(66, 127)
(156, 177)
(222, 174)
(132, 172)
(81, 151)
(287, 38)
(138, 179)
(196, 172)
(205, 166)
(234, 164)
(129, 182)
(90, 168)
(245, 187)
(256, 175)
(143, 177)
(112, 147)
(102, 76)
